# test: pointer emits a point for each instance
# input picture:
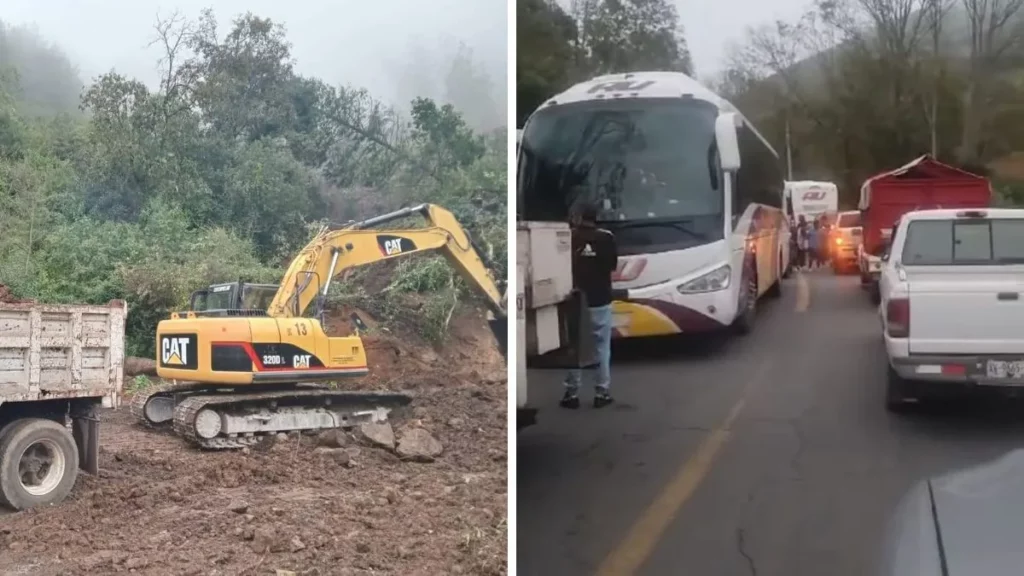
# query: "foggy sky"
(362, 43)
(710, 26)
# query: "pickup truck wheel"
(38, 463)
(895, 392)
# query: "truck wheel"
(876, 295)
(895, 392)
(38, 463)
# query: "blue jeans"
(601, 322)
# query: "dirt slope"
(160, 507)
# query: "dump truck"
(922, 184)
(59, 364)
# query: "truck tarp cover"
(920, 185)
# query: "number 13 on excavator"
(246, 360)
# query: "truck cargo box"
(920, 185)
(50, 352)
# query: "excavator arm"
(332, 252)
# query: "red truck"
(922, 184)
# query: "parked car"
(843, 239)
(951, 308)
(963, 523)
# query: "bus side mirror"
(728, 141)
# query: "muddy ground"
(161, 507)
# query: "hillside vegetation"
(866, 85)
(556, 48)
(222, 172)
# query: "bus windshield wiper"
(677, 223)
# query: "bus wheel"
(775, 290)
(744, 322)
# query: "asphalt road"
(766, 455)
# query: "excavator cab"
(233, 299)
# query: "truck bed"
(52, 352)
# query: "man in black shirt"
(594, 259)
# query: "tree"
(48, 83)
(996, 31)
(220, 172)
(546, 56)
(634, 35)
(470, 89)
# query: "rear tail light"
(897, 315)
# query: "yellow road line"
(645, 534)
(803, 293)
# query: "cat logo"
(301, 360)
(814, 195)
(179, 351)
(394, 245)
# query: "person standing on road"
(594, 258)
(813, 239)
(801, 243)
(823, 241)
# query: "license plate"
(1004, 369)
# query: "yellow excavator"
(245, 361)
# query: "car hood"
(980, 521)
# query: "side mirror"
(727, 139)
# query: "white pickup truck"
(952, 309)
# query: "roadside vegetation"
(867, 85)
(111, 189)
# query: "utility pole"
(789, 152)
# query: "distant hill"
(47, 83)
(955, 43)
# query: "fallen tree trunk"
(134, 366)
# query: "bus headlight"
(717, 279)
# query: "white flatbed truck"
(58, 365)
(552, 328)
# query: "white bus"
(811, 199)
(690, 189)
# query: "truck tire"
(38, 463)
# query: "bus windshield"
(650, 165)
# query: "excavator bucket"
(499, 326)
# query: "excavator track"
(224, 421)
(165, 396)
